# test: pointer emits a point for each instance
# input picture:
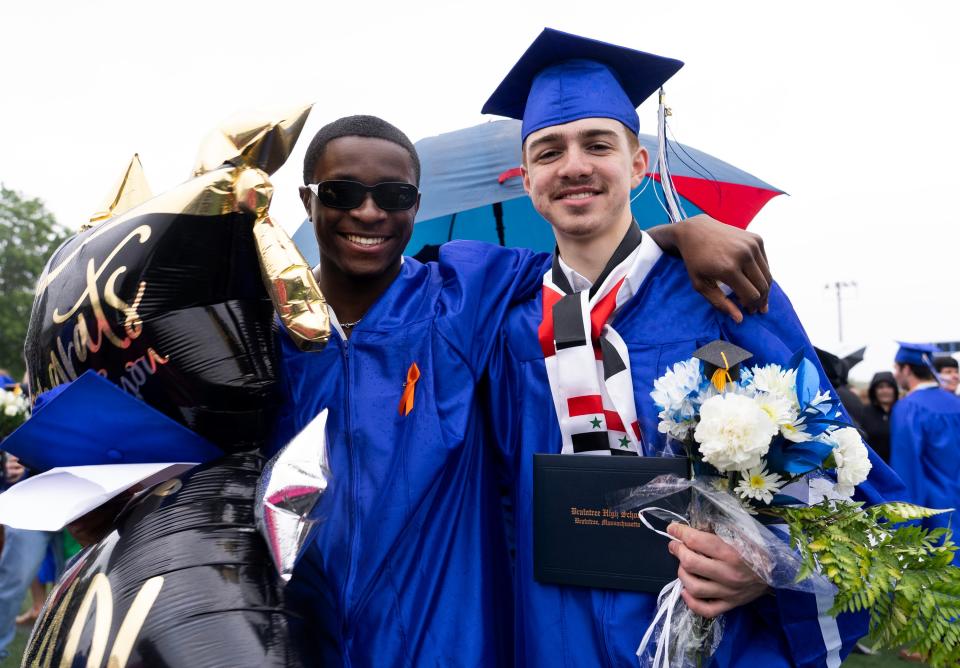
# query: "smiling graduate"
(574, 369)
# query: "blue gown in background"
(410, 567)
(925, 450)
(574, 626)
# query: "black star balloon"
(171, 299)
(183, 580)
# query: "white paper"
(51, 500)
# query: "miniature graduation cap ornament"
(563, 78)
(721, 362)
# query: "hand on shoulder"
(713, 253)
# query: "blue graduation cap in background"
(920, 354)
(563, 78)
(92, 421)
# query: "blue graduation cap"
(92, 421)
(563, 78)
(6, 381)
(919, 354)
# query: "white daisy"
(780, 409)
(757, 484)
(796, 431)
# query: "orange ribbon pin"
(406, 399)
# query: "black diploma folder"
(578, 536)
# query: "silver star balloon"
(289, 492)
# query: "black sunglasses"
(389, 196)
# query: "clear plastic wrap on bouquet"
(678, 637)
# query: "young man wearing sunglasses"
(614, 313)
(410, 566)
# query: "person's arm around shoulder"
(713, 253)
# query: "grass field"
(887, 660)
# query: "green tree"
(28, 236)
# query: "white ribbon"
(647, 524)
(666, 602)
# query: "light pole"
(839, 286)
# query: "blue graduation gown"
(410, 566)
(925, 450)
(572, 626)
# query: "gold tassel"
(721, 377)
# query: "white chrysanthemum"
(673, 392)
(734, 432)
(678, 429)
(774, 380)
(757, 484)
(853, 462)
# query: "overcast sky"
(851, 107)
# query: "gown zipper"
(353, 502)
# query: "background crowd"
(870, 406)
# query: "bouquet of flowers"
(15, 408)
(756, 435)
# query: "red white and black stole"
(587, 362)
